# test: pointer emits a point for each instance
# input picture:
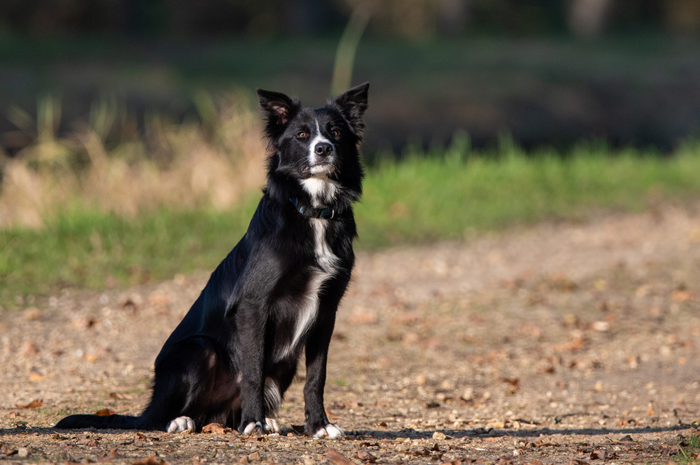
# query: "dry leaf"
(363, 319)
(120, 395)
(34, 377)
(364, 456)
(682, 295)
(150, 460)
(215, 428)
(105, 412)
(109, 457)
(30, 349)
(32, 404)
(32, 313)
(337, 458)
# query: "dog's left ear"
(352, 105)
(278, 109)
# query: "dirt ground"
(560, 343)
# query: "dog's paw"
(330, 431)
(272, 425)
(180, 425)
(256, 428)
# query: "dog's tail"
(100, 422)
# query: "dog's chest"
(325, 267)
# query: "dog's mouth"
(319, 169)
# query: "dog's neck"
(322, 190)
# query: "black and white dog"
(234, 354)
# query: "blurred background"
(546, 71)
(113, 112)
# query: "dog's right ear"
(278, 110)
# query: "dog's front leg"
(317, 424)
(251, 350)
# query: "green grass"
(449, 193)
(688, 451)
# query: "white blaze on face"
(318, 138)
(321, 189)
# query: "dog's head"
(308, 144)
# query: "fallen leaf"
(216, 428)
(365, 456)
(35, 377)
(363, 319)
(109, 457)
(150, 460)
(682, 295)
(32, 404)
(32, 313)
(30, 348)
(120, 395)
(337, 458)
(6, 451)
(105, 412)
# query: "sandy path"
(554, 343)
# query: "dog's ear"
(278, 109)
(352, 105)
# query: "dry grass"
(207, 163)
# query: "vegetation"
(444, 193)
(688, 451)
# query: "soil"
(559, 343)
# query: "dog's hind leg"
(193, 385)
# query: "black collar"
(326, 213)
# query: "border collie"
(276, 294)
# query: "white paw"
(272, 425)
(255, 428)
(330, 431)
(181, 424)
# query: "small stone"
(23, 452)
(439, 436)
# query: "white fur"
(254, 428)
(307, 312)
(272, 395)
(312, 145)
(181, 424)
(272, 425)
(330, 431)
(327, 266)
(321, 189)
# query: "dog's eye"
(335, 133)
(302, 135)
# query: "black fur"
(237, 335)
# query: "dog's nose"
(323, 149)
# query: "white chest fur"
(326, 267)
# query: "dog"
(235, 353)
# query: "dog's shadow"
(406, 433)
(410, 433)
